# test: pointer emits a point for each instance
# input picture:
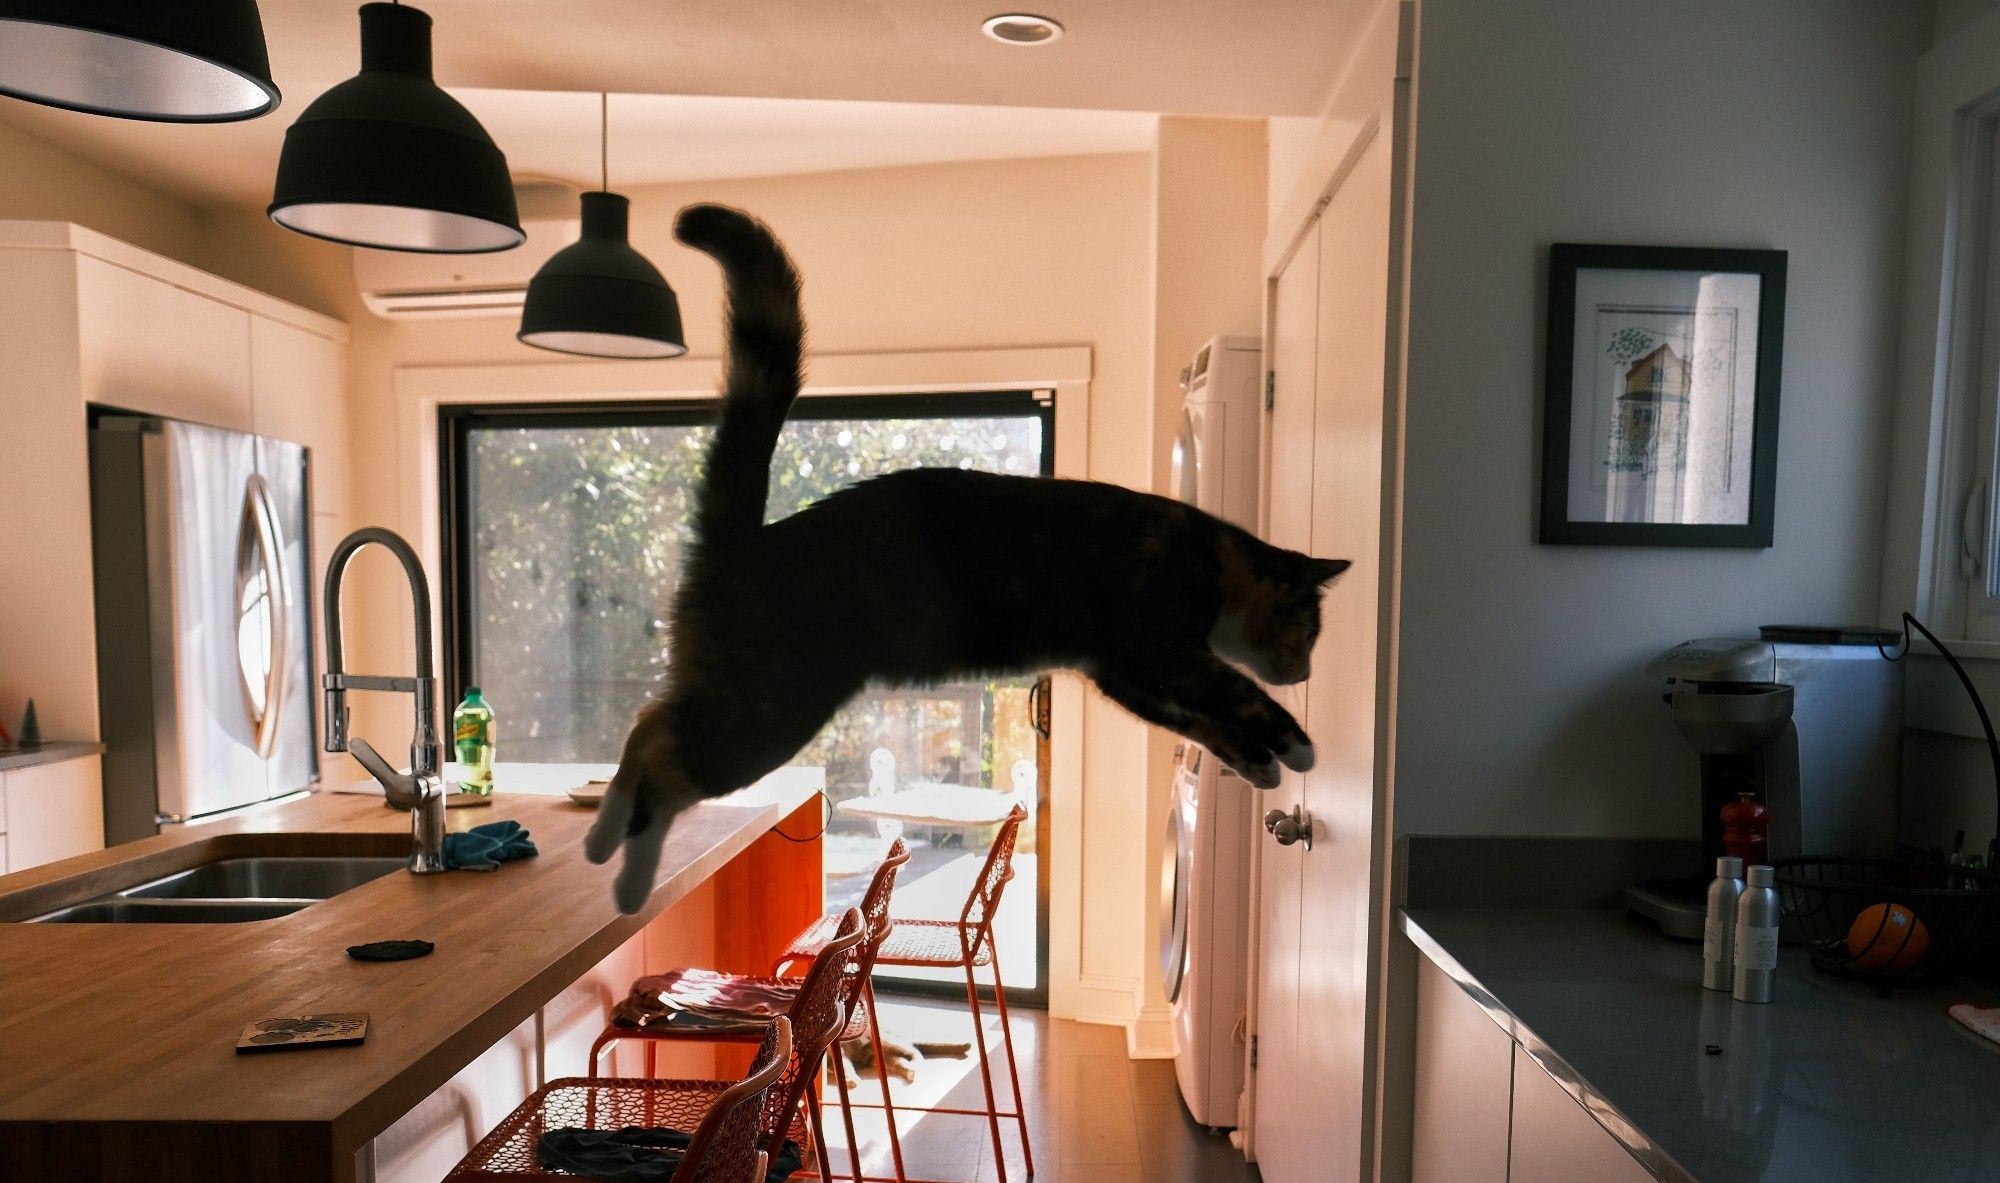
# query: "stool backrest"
(817, 1014)
(728, 1142)
(984, 901)
(875, 902)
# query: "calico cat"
(926, 575)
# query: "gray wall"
(1784, 123)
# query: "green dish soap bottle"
(472, 731)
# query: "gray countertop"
(48, 753)
(1829, 1084)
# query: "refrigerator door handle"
(263, 605)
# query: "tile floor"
(1096, 1117)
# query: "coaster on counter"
(465, 800)
(293, 1032)
(390, 950)
(590, 792)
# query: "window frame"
(456, 421)
(1947, 392)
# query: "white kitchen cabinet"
(298, 392)
(151, 346)
(1464, 1084)
(86, 319)
(53, 811)
(1556, 1140)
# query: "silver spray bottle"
(1718, 930)
(1755, 974)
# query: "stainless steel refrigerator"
(204, 620)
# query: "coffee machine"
(1807, 719)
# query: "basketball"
(1887, 939)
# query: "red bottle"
(1744, 821)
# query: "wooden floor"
(1095, 1116)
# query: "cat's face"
(1273, 621)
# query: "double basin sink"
(252, 887)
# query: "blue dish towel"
(484, 848)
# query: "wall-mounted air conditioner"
(402, 285)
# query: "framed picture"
(1661, 421)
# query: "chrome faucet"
(421, 790)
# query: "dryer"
(1215, 449)
(1205, 878)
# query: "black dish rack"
(1824, 899)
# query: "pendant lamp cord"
(604, 140)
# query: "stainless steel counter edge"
(1645, 1150)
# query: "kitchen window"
(563, 530)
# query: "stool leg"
(596, 1050)
(985, 1071)
(1013, 1065)
(846, 1111)
(818, 1133)
(881, 1077)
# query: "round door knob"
(1290, 828)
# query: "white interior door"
(1337, 897)
(1281, 1068)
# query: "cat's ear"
(1325, 571)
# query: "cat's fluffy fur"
(927, 575)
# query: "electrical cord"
(826, 819)
(1972, 692)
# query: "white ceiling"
(655, 139)
(697, 84)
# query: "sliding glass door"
(563, 529)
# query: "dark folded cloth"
(390, 950)
(636, 1154)
(484, 848)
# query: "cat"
(926, 575)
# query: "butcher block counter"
(118, 1041)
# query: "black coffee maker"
(1807, 720)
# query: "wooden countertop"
(137, 1023)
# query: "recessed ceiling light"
(1021, 28)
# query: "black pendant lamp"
(388, 160)
(598, 297)
(186, 61)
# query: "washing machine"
(1205, 874)
(1206, 931)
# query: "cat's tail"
(766, 348)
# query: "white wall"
(1523, 705)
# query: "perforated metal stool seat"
(592, 1104)
(935, 944)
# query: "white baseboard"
(1150, 1036)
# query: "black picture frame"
(1559, 525)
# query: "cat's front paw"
(1263, 776)
(1299, 757)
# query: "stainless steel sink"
(142, 911)
(286, 878)
(229, 890)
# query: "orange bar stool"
(964, 944)
(728, 1119)
(811, 944)
(818, 1010)
(875, 910)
